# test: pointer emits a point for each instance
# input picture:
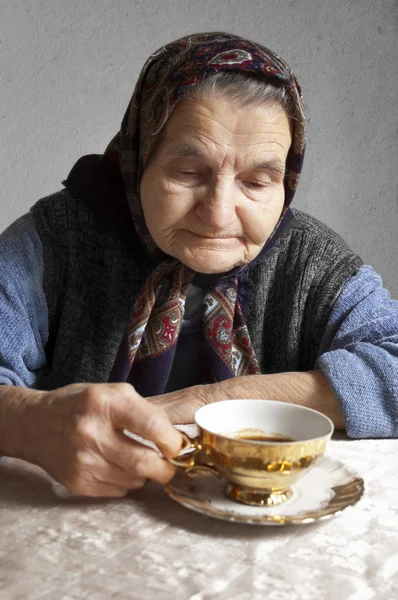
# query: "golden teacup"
(261, 447)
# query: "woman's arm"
(356, 383)
(23, 308)
(359, 356)
(309, 389)
(75, 434)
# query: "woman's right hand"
(75, 434)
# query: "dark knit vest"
(92, 278)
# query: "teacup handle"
(187, 461)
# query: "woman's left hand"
(181, 406)
(309, 389)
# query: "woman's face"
(213, 191)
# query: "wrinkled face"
(212, 191)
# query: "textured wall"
(67, 71)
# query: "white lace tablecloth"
(147, 547)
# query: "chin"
(210, 267)
(208, 260)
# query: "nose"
(217, 208)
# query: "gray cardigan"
(92, 278)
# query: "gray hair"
(246, 89)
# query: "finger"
(92, 472)
(99, 490)
(136, 461)
(134, 413)
(108, 490)
(111, 474)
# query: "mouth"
(213, 237)
(211, 242)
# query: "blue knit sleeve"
(23, 308)
(359, 356)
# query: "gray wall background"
(68, 69)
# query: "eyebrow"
(273, 166)
(188, 151)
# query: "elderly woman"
(171, 273)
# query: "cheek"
(165, 204)
(259, 219)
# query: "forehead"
(214, 124)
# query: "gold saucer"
(328, 489)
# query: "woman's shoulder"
(314, 230)
(23, 227)
(309, 259)
(313, 246)
(60, 212)
(64, 216)
(20, 246)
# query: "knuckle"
(154, 423)
(167, 473)
(120, 492)
(164, 473)
(140, 463)
(137, 483)
(85, 433)
(84, 462)
(124, 387)
(90, 399)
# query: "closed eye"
(255, 185)
(187, 173)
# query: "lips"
(214, 237)
(229, 243)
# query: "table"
(147, 547)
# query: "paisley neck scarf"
(146, 356)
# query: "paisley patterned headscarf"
(150, 343)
